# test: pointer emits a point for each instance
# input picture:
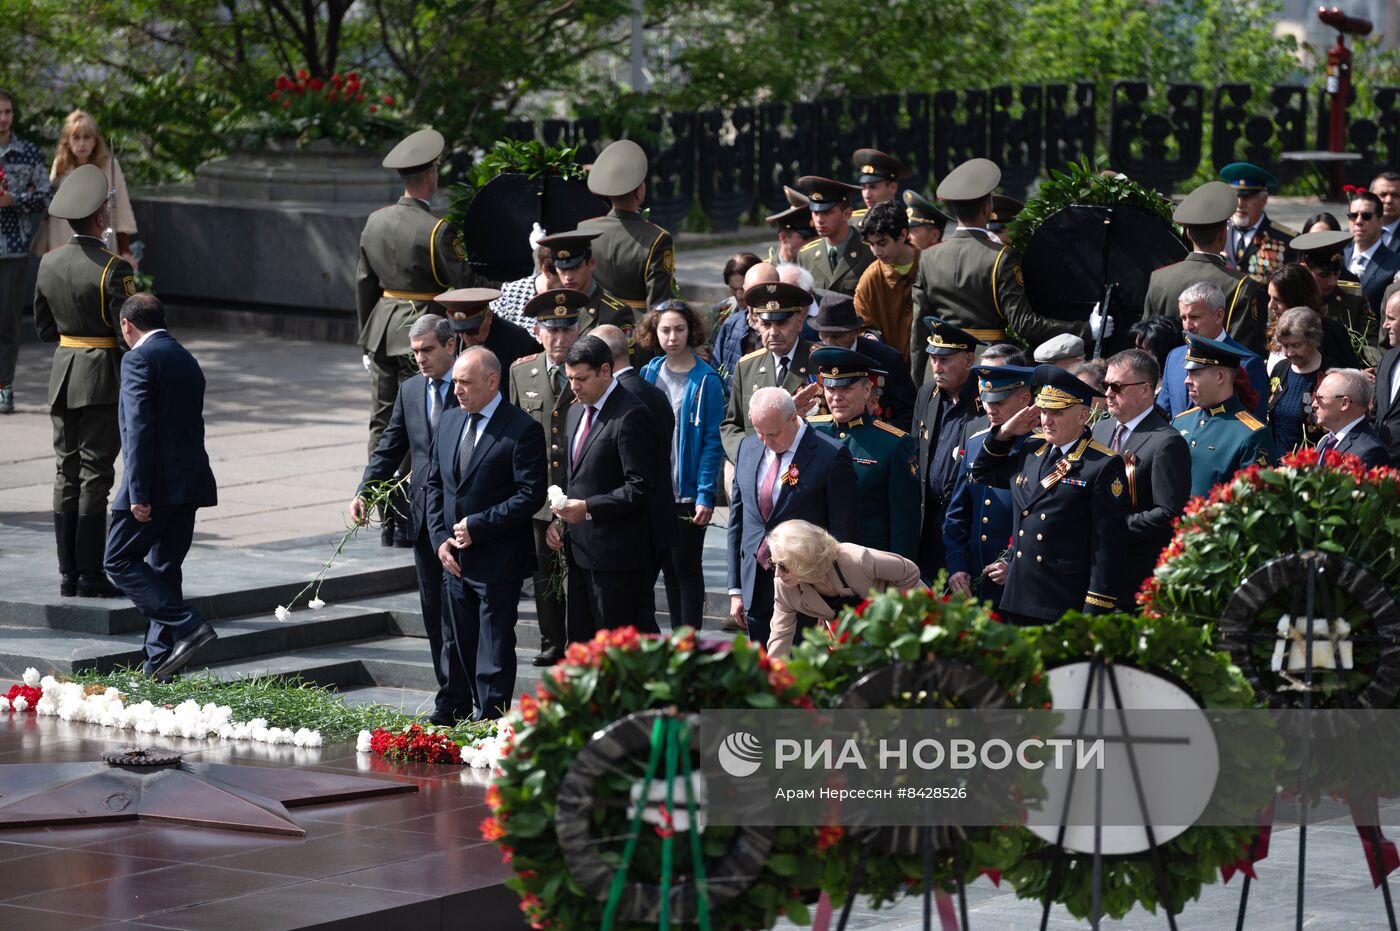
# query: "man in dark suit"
(485, 483)
(785, 471)
(1156, 459)
(1366, 256)
(1388, 382)
(1340, 404)
(608, 511)
(166, 479)
(419, 406)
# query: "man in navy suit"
(1341, 403)
(1388, 381)
(784, 471)
(166, 479)
(1366, 256)
(418, 408)
(485, 483)
(612, 465)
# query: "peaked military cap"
(1212, 202)
(837, 311)
(416, 152)
(81, 195)
(557, 307)
(1004, 210)
(1243, 176)
(777, 300)
(974, 179)
(1059, 389)
(874, 165)
(795, 198)
(824, 193)
(945, 338)
(920, 211)
(796, 217)
(1063, 346)
(837, 367)
(570, 249)
(999, 382)
(466, 307)
(1323, 249)
(1202, 353)
(618, 170)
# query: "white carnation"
(5, 706)
(31, 677)
(315, 604)
(21, 703)
(557, 498)
(282, 613)
(361, 742)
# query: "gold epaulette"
(812, 245)
(1078, 451)
(1189, 410)
(523, 359)
(1249, 420)
(980, 432)
(1095, 444)
(889, 427)
(1100, 601)
(1349, 284)
(753, 355)
(820, 418)
(1283, 231)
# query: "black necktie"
(464, 455)
(1051, 458)
(435, 403)
(782, 370)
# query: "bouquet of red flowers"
(415, 745)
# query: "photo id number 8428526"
(933, 792)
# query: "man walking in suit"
(485, 483)
(412, 426)
(1343, 397)
(165, 480)
(785, 471)
(608, 511)
(1156, 459)
(1388, 382)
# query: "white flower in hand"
(282, 613)
(315, 604)
(557, 498)
(31, 677)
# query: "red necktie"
(765, 505)
(583, 434)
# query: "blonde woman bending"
(815, 576)
(79, 144)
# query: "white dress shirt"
(147, 335)
(597, 406)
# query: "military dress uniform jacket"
(756, 370)
(977, 528)
(974, 282)
(1266, 253)
(605, 308)
(1243, 304)
(1068, 524)
(80, 290)
(407, 256)
(531, 391)
(1223, 440)
(636, 258)
(1347, 305)
(887, 481)
(854, 258)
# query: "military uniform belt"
(985, 335)
(409, 295)
(635, 305)
(88, 342)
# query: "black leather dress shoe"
(184, 651)
(96, 586)
(546, 659)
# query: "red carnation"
(316, 84)
(353, 76)
(302, 74)
(373, 108)
(491, 829)
(388, 100)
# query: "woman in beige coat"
(817, 576)
(80, 143)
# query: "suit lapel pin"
(534, 371)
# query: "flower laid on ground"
(414, 745)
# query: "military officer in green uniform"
(972, 280)
(1343, 300)
(1205, 214)
(926, 222)
(1224, 437)
(794, 226)
(783, 361)
(879, 175)
(81, 287)
(407, 255)
(576, 264)
(636, 258)
(539, 387)
(887, 465)
(1256, 244)
(838, 256)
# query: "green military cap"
(974, 179)
(874, 165)
(1059, 389)
(81, 195)
(1202, 353)
(466, 307)
(1244, 177)
(824, 193)
(1058, 348)
(1323, 249)
(618, 170)
(999, 382)
(570, 249)
(837, 367)
(1004, 210)
(921, 212)
(416, 152)
(777, 300)
(557, 307)
(1212, 202)
(946, 338)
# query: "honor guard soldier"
(978, 525)
(81, 287)
(1004, 210)
(972, 280)
(1256, 245)
(1343, 300)
(887, 469)
(794, 227)
(1069, 505)
(636, 258)
(540, 387)
(838, 257)
(407, 255)
(878, 175)
(781, 362)
(1223, 436)
(576, 266)
(1205, 214)
(926, 222)
(469, 312)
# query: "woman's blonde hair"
(805, 549)
(64, 160)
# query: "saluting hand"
(803, 398)
(1021, 423)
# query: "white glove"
(536, 234)
(366, 360)
(1097, 322)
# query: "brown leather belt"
(88, 342)
(409, 295)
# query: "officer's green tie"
(556, 380)
(833, 255)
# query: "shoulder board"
(812, 245)
(1249, 420)
(1356, 285)
(889, 428)
(1285, 231)
(981, 432)
(820, 418)
(1078, 451)
(753, 355)
(523, 359)
(1189, 410)
(859, 213)
(1096, 445)
(613, 302)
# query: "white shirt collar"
(787, 455)
(486, 412)
(1342, 433)
(617, 372)
(1369, 252)
(147, 335)
(598, 404)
